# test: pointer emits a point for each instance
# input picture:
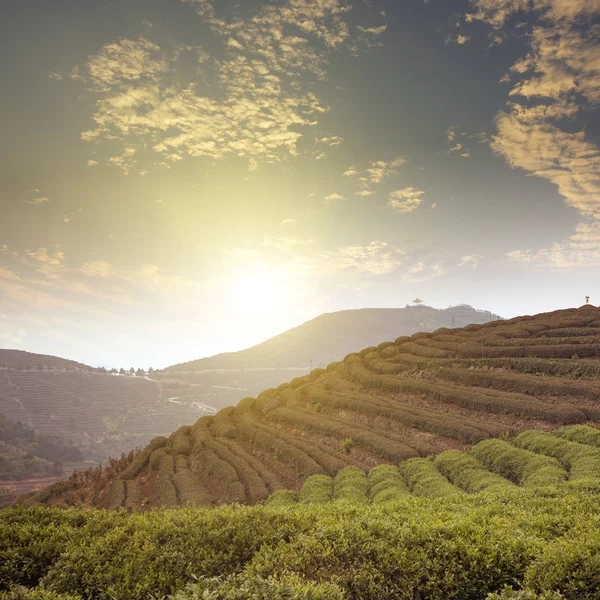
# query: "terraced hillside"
(437, 393)
(101, 414)
(19, 359)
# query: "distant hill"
(21, 360)
(329, 337)
(410, 398)
(101, 414)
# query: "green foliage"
(283, 498)
(179, 441)
(520, 466)
(509, 594)
(43, 446)
(582, 434)
(347, 444)
(239, 587)
(350, 485)
(142, 458)
(464, 548)
(317, 489)
(468, 473)
(424, 479)
(386, 483)
(582, 461)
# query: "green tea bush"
(317, 489)
(23, 593)
(350, 485)
(520, 466)
(240, 587)
(385, 483)
(142, 458)
(322, 455)
(167, 495)
(488, 400)
(366, 438)
(116, 496)
(468, 473)
(265, 440)
(179, 441)
(582, 434)
(224, 473)
(571, 565)
(424, 479)
(283, 498)
(252, 481)
(509, 594)
(200, 433)
(464, 429)
(582, 461)
(271, 479)
(189, 489)
(133, 496)
(223, 424)
(155, 458)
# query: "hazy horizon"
(182, 178)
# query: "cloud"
(36, 201)
(350, 172)
(126, 61)
(92, 163)
(47, 262)
(364, 193)
(5, 274)
(97, 268)
(459, 39)
(580, 249)
(497, 12)
(379, 170)
(287, 221)
(334, 140)
(335, 197)
(4, 248)
(553, 83)
(406, 199)
(470, 261)
(420, 272)
(66, 219)
(254, 100)
(544, 150)
(376, 258)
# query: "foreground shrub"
(468, 473)
(239, 587)
(385, 483)
(350, 485)
(317, 489)
(582, 434)
(518, 465)
(424, 479)
(582, 461)
(283, 498)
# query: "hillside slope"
(329, 337)
(21, 360)
(411, 398)
(101, 414)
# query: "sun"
(259, 290)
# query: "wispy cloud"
(260, 101)
(406, 199)
(37, 200)
(471, 260)
(332, 198)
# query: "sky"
(180, 178)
